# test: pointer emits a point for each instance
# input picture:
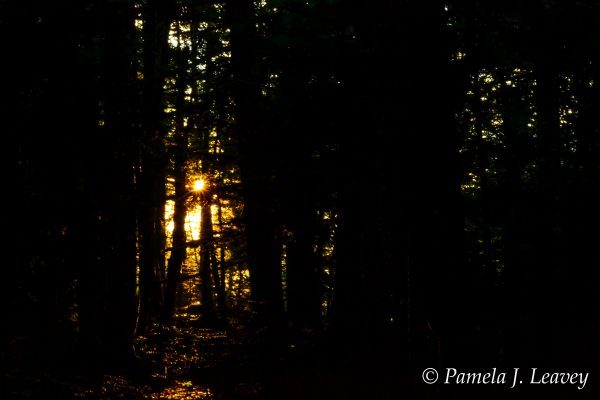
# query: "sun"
(199, 185)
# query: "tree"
(152, 158)
(108, 286)
(254, 160)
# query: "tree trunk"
(217, 269)
(303, 294)
(222, 267)
(253, 142)
(395, 202)
(108, 318)
(151, 179)
(548, 117)
(180, 158)
(206, 256)
(178, 248)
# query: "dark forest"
(300, 199)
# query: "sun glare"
(199, 185)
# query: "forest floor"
(173, 362)
(190, 360)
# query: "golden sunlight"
(199, 185)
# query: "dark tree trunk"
(117, 216)
(180, 158)
(206, 257)
(514, 223)
(255, 166)
(179, 247)
(221, 263)
(303, 294)
(399, 216)
(588, 123)
(548, 117)
(216, 265)
(108, 284)
(151, 179)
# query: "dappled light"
(182, 390)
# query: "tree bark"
(109, 308)
(253, 143)
(180, 158)
(151, 179)
(303, 294)
(206, 256)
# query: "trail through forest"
(172, 362)
(189, 360)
